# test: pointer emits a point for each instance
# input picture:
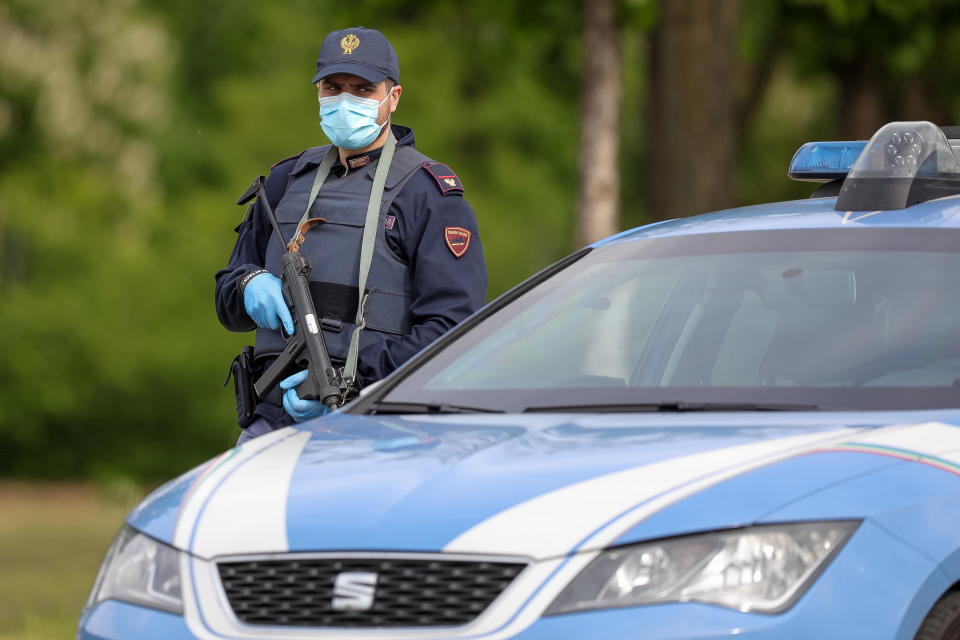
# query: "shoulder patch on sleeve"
(447, 180)
(294, 156)
(458, 240)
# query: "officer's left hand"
(300, 409)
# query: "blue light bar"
(818, 161)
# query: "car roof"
(811, 213)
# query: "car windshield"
(808, 319)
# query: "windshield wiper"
(425, 407)
(673, 407)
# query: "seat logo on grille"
(354, 590)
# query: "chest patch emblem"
(389, 221)
(357, 162)
(458, 240)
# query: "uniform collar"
(311, 158)
(404, 136)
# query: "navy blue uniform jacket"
(447, 288)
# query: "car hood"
(532, 485)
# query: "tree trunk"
(861, 110)
(692, 139)
(918, 102)
(598, 170)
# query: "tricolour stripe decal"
(930, 438)
(902, 454)
(920, 443)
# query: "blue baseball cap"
(362, 52)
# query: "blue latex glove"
(263, 301)
(300, 409)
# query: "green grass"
(52, 538)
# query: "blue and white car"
(744, 424)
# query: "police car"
(743, 423)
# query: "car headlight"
(761, 569)
(140, 570)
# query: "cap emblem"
(349, 43)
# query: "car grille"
(408, 592)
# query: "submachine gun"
(306, 347)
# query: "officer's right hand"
(298, 408)
(263, 300)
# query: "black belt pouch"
(243, 386)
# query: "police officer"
(427, 270)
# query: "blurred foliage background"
(129, 127)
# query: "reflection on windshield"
(736, 315)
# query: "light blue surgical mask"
(351, 122)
